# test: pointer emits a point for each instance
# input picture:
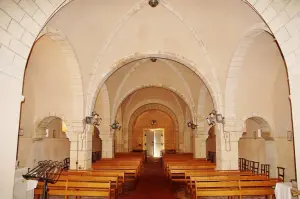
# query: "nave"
(132, 175)
(208, 80)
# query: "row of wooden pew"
(201, 179)
(107, 178)
(253, 166)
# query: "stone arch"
(267, 147)
(145, 102)
(145, 108)
(43, 124)
(180, 117)
(236, 64)
(201, 101)
(139, 64)
(214, 91)
(264, 126)
(74, 72)
(133, 90)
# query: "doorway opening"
(153, 141)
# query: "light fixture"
(191, 125)
(214, 118)
(94, 119)
(289, 135)
(115, 125)
(153, 122)
(153, 3)
(153, 59)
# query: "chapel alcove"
(153, 120)
(257, 144)
(52, 143)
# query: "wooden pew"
(114, 180)
(179, 171)
(65, 188)
(235, 188)
(190, 183)
(125, 176)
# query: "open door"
(153, 142)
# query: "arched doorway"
(258, 144)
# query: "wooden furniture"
(265, 169)
(280, 173)
(66, 188)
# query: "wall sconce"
(115, 125)
(94, 119)
(214, 118)
(153, 122)
(289, 135)
(153, 3)
(191, 125)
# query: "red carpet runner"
(152, 184)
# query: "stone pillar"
(181, 142)
(11, 98)
(81, 146)
(200, 145)
(107, 137)
(125, 139)
(200, 136)
(227, 147)
(187, 140)
(107, 145)
(271, 157)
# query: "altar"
(283, 190)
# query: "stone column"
(107, 137)
(200, 136)
(200, 145)
(187, 140)
(227, 147)
(125, 139)
(81, 146)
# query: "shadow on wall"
(51, 144)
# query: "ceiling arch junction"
(199, 36)
(136, 8)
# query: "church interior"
(150, 99)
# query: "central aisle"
(152, 184)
